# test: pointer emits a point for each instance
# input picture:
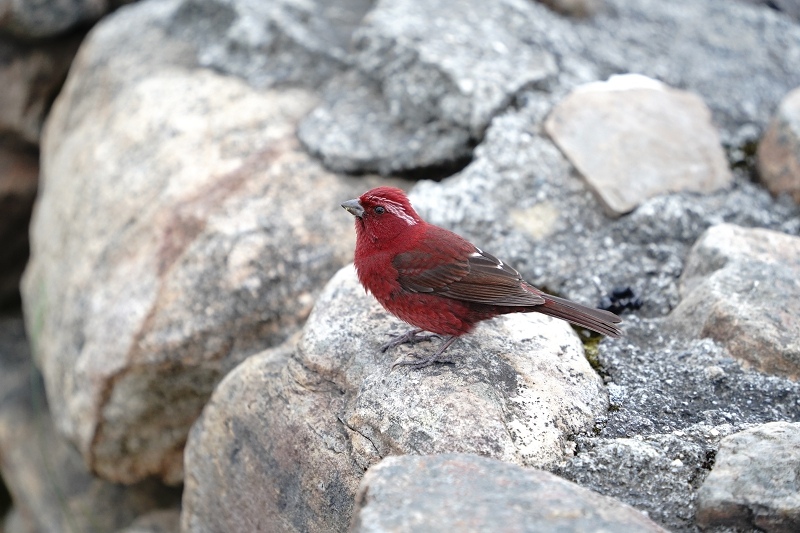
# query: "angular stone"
(459, 62)
(321, 410)
(654, 473)
(779, 149)
(272, 43)
(754, 483)
(51, 488)
(19, 176)
(739, 287)
(633, 138)
(194, 232)
(354, 131)
(459, 492)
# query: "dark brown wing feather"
(448, 265)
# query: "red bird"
(439, 282)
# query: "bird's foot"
(421, 362)
(410, 337)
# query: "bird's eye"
(379, 210)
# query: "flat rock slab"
(754, 483)
(779, 149)
(633, 138)
(740, 288)
(320, 411)
(467, 493)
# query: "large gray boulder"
(180, 228)
(321, 409)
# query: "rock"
(657, 473)
(320, 411)
(754, 482)
(272, 43)
(354, 131)
(738, 58)
(739, 288)
(447, 69)
(208, 245)
(459, 492)
(672, 400)
(36, 20)
(48, 482)
(458, 62)
(32, 75)
(633, 138)
(779, 150)
(429, 82)
(19, 173)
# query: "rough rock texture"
(779, 149)
(431, 80)
(48, 482)
(462, 73)
(740, 288)
(138, 95)
(754, 482)
(671, 402)
(33, 19)
(32, 73)
(424, 61)
(271, 43)
(633, 138)
(19, 173)
(459, 492)
(320, 411)
(355, 131)
(521, 200)
(192, 233)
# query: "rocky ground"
(193, 352)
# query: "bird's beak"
(354, 208)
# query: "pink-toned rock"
(739, 287)
(779, 150)
(633, 138)
(180, 228)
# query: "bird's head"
(382, 214)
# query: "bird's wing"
(445, 264)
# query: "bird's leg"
(410, 337)
(418, 363)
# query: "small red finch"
(439, 282)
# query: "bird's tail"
(604, 322)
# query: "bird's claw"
(410, 337)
